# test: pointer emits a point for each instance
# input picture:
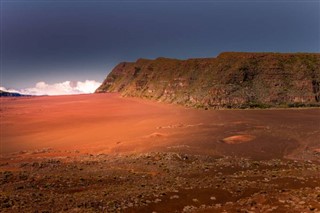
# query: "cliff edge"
(231, 80)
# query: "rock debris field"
(55, 181)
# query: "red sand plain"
(105, 153)
(109, 123)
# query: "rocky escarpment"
(232, 80)
(10, 94)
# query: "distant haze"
(63, 88)
(76, 41)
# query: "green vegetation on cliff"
(232, 80)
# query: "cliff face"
(232, 80)
(10, 94)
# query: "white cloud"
(8, 90)
(64, 88)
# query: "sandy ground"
(105, 153)
(107, 123)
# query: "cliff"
(10, 94)
(232, 80)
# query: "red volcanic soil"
(104, 153)
(108, 123)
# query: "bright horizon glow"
(62, 88)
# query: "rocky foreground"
(49, 180)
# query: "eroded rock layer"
(232, 80)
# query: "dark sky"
(55, 41)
